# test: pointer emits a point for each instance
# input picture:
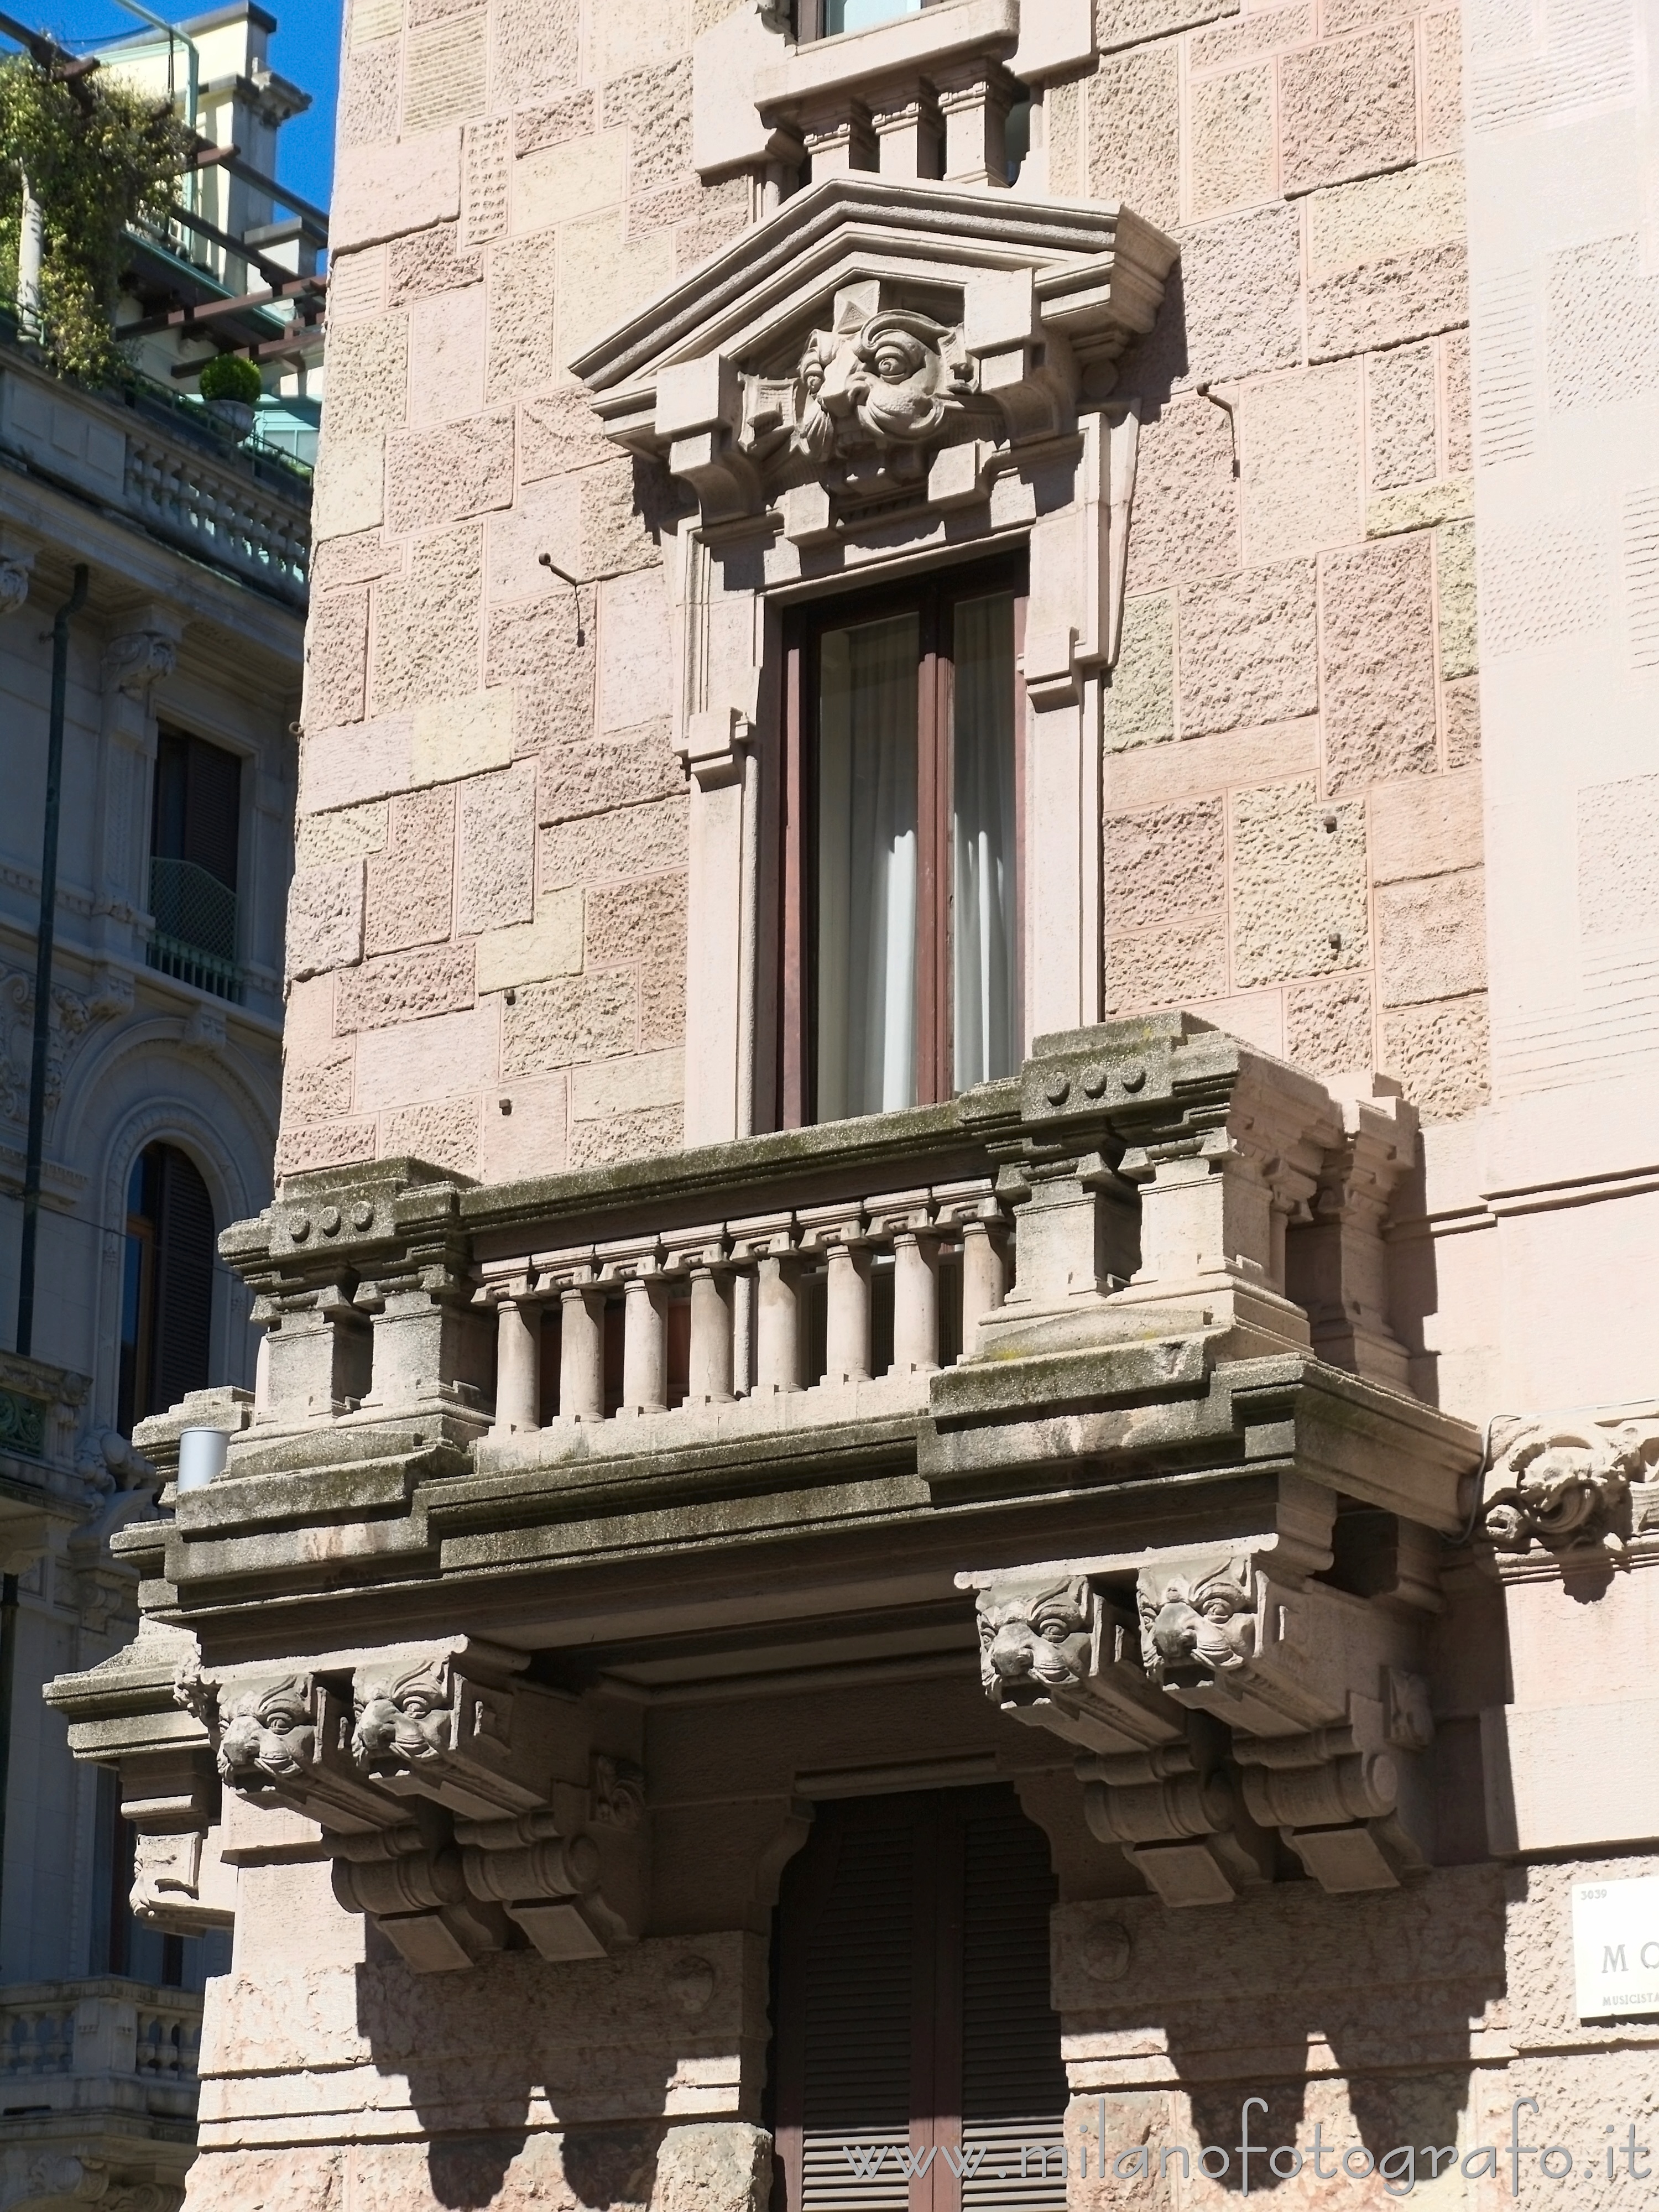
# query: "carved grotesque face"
(269, 1735)
(1198, 1626)
(887, 383)
(1034, 1638)
(402, 1719)
(1567, 1490)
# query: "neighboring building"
(958, 1428)
(163, 1080)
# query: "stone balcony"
(1109, 1340)
(98, 2091)
(156, 464)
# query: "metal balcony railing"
(195, 934)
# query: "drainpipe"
(8, 1679)
(72, 606)
(31, 252)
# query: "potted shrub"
(231, 388)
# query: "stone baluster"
(518, 1356)
(581, 1332)
(838, 1233)
(636, 1265)
(975, 1212)
(770, 1241)
(975, 96)
(701, 1254)
(907, 1219)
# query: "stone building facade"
(955, 1424)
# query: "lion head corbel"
(1198, 1625)
(403, 1716)
(1035, 1637)
(268, 1733)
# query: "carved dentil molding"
(458, 1803)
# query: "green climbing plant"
(98, 155)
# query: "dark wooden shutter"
(912, 2008)
(182, 1303)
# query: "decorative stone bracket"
(1584, 1488)
(458, 1802)
(1238, 1698)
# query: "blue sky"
(306, 49)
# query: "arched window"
(166, 1302)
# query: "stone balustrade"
(74, 2032)
(218, 514)
(850, 1291)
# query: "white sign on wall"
(1615, 1948)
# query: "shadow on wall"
(481, 2049)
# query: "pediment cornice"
(1037, 299)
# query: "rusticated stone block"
(573, 117)
(544, 518)
(1168, 862)
(458, 737)
(317, 1090)
(364, 760)
(347, 492)
(1184, 519)
(1618, 854)
(1140, 703)
(325, 918)
(383, 192)
(636, 656)
(427, 262)
(1462, 712)
(1442, 83)
(444, 68)
(1169, 967)
(403, 987)
(1348, 108)
(1198, 766)
(1300, 440)
(1231, 129)
(426, 642)
(446, 356)
(1387, 302)
(529, 953)
(537, 51)
(1400, 390)
(636, 1084)
(1127, 23)
(350, 833)
(304, 1145)
(1248, 649)
(411, 883)
(721, 216)
(559, 431)
(636, 921)
(626, 39)
(604, 273)
(576, 179)
(713, 2166)
(1243, 284)
(662, 1003)
(446, 1056)
(1454, 561)
(1386, 218)
(363, 558)
(524, 1130)
(625, 504)
(337, 657)
(484, 180)
(1300, 903)
(1459, 455)
(369, 84)
(1266, 32)
(1134, 131)
(650, 1133)
(522, 357)
(569, 1020)
(361, 282)
(441, 476)
(1439, 1053)
(1426, 826)
(1327, 1025)
(581, 779)
(1431, 938)
(1378, 654)
(534, 643)
(302, 2179)
(655, 104)
(634, 840)
(497, 875)
(368, 377)
(446, 1135)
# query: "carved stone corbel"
(1563, 1488)
(463, 1808)
(139, 660)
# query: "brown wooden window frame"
(932, 596)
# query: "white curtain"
(866, 918)
(985, 950)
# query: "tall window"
(828, 19)
(166, 1304)
(913, 2011)
(902, 850)
(195, 827)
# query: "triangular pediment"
(753, 299)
